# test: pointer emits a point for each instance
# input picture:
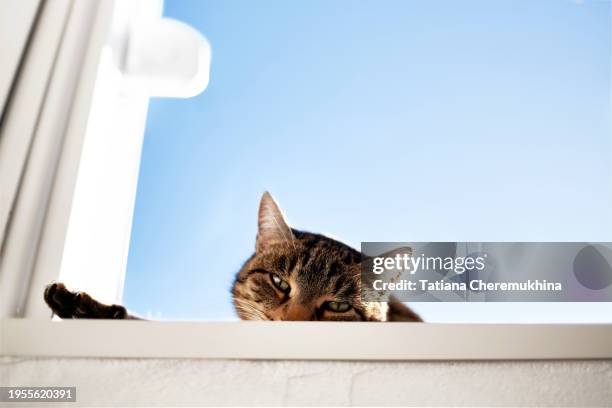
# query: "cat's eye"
(338, 307)
(280, 283)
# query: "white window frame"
(42, 135)
(40, 230)
(305, 340)
(72, 140)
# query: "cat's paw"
(62, 301)
(79, 305)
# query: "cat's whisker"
(249, 310)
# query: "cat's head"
(295, 275)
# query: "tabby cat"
(293, 275)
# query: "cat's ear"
(272, 227)
(388, 274)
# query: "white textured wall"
(127, 382)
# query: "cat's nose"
(297, 312)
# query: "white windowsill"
(304, 340)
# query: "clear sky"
(374, 121)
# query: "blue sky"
(373, 121)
